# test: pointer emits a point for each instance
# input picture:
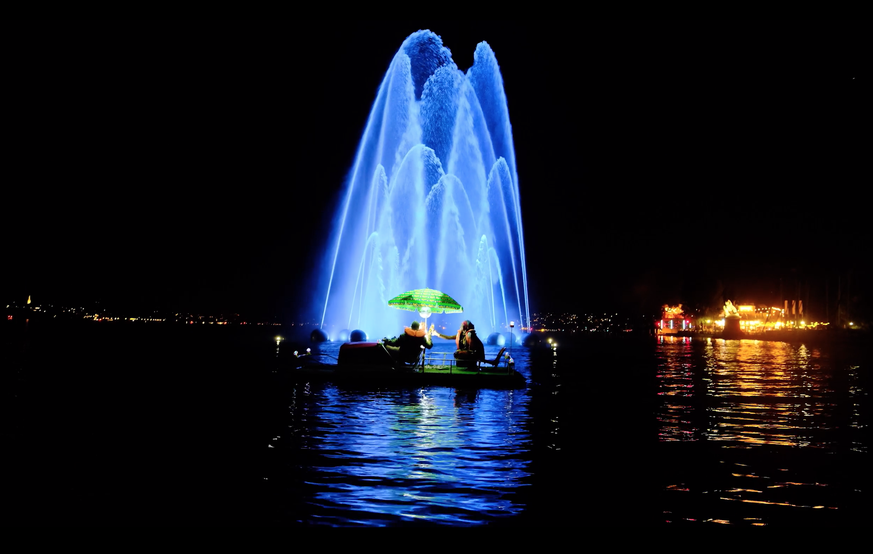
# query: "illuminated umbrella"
(426, 302)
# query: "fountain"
(432, 199)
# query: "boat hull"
(370, 363)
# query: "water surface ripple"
(773, 432)
(132, 425)
(375, 456)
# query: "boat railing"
(440, 359)
(447, 361)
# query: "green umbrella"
(426, 301)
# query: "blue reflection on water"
(432, 454)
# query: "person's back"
(471, 350)
(407, 347)
(475, 346)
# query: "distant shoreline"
(798, 335)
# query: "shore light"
(511, 325)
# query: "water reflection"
(792, 415)
(744, 433)
(752, 393)
(383, 457)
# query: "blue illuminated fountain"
(432, 199)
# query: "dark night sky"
(195, 165)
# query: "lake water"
(154, 424)
(763, 433)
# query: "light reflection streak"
(755, 393)
(770, 503)
(743, 396)
(431, 453)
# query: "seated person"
(470, 349)
(407, 347)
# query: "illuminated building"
(673, 320)
(737, 319)
(754, 319)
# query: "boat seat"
(468, 359)
(493, 363)
(414, 364)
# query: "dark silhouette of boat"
(371, 363)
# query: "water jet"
(431, 200)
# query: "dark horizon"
(822, 298)
(197, 165)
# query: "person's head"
(464, 325)
(414, 326)
(470, 326)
